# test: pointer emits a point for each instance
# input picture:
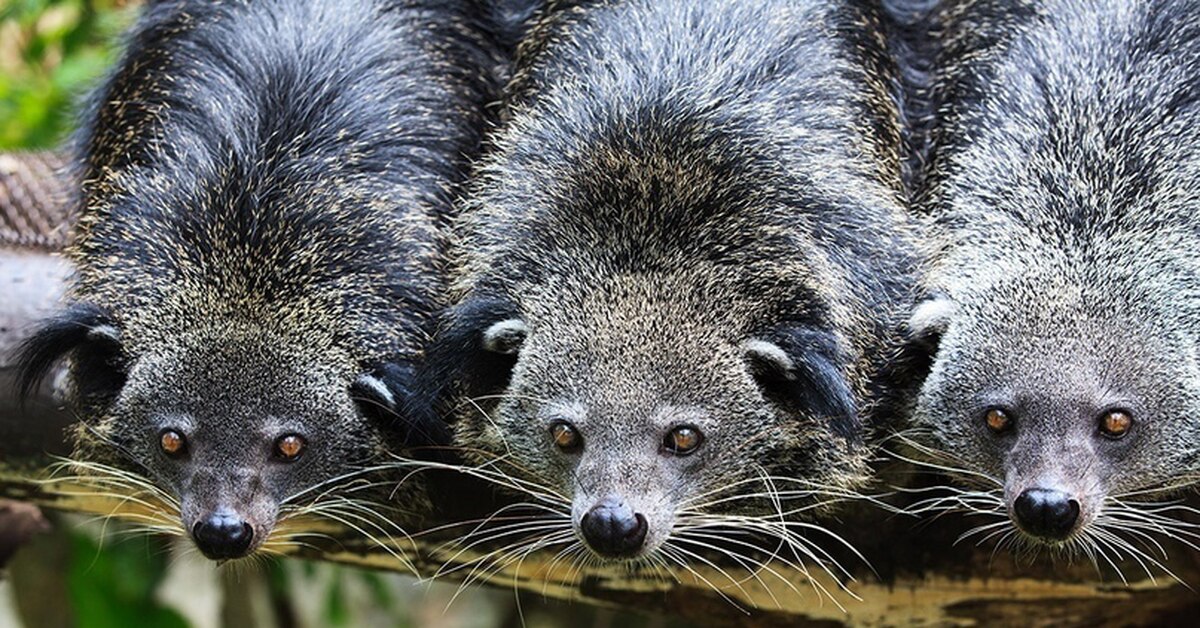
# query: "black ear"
(504, 336)
(479, 343)
(920, 339)
(464, 359)
(801, 366)
(907, 362)
(87, 334)
(386, 394)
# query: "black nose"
(612, 529)
(1046, 513)
(220, 536)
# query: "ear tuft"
(472, 355)
(389, 396)
(383, 390)
(506, 336)
(104, 333)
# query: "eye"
(172, 443)
(683, 440)
(289, 447)
(1115, 423)
(565, 436)
(998, 420)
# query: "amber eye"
(683, 440)
(998, 420)
(565, 436)
(172, 443)
(289, 447)
(1115, 423)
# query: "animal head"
(236, 421)
(647, 409)
(660, 318)
(1065, 391)
(1062, 330)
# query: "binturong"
(1063, 316)
(678, 270)
(258, 260)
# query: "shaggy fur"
(692, 216)
(1064, 178)
(259, 252)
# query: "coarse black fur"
(266, 186)
(692, 216)
(1063, 179)
(912, 45)
(510, 20)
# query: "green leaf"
(113, 586)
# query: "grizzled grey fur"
(692, 216)
(1064, 179)
(260, 251)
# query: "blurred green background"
(51, 52)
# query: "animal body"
(678, 271)
(1061, 322)
(258, 257)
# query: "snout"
(1046, 513)
(612, 529)
(223, 535)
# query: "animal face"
(1067, 403)
(648, 414)
(234, 421)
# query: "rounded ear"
(87, 335)
(370, 389)
(801, 366)
(387, 395)
(505, 337)
(930, 319)
(905, 370)
(768, 358)
(473, 354)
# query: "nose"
(222, 535)
(612, 529)
(1046, 513)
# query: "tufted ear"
(84, 333)
(801, 366)
(905, 370)
(505, 337)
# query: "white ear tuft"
(931, 317)
(104, 333)
(505, 336)
(769, 354)
(376, 386)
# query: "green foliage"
(51, 52)
(113, 586)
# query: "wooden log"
(914, 571)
